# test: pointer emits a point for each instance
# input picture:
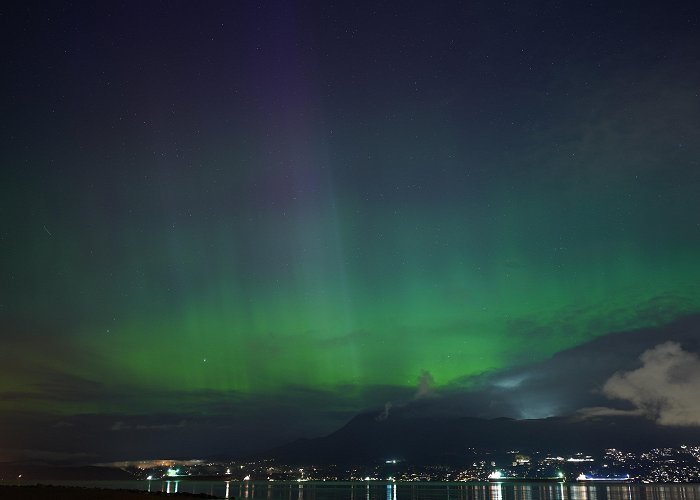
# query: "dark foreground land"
(39, 492)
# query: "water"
(332, 490)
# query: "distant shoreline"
(39, 491)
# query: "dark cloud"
(200, 423)
(43, 456)
(604, 411)
(353, 337)
(579, 321)
(40, 360)
(120, 426)
(568, 381)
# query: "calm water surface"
(407, 491)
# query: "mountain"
(425, 439)
(32, 472)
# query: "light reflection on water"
(250, 490)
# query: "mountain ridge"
(438, 439)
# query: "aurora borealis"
(213, 209)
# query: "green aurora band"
(326, 296)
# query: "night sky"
(228, 225)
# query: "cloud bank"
(666, 388)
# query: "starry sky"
(243, 222)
